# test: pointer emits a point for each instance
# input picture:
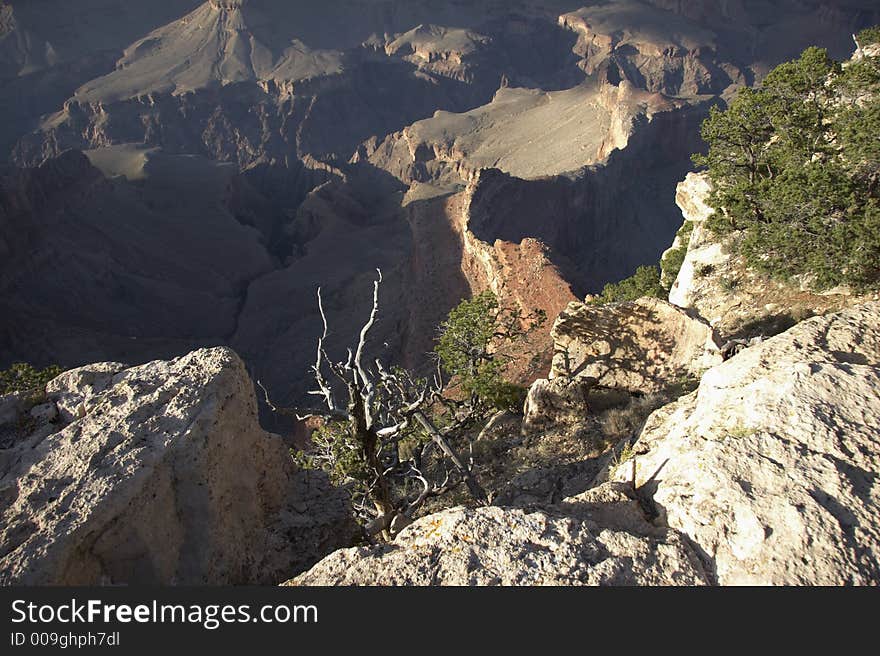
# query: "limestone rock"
(771, 466)
(555, 401)
(539, 486)
(715, 282)
(671, 54)
(157, 474)
(12, 406)
(44, 413)
(643, 346)
(710, 279)
(691, 196)
(497, 546)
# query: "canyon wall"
(238, 155)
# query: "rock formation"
(523, 132)
(765, 475)
(771, 466)
(497, 546)
(158, 474)
(643, 346)
(557, 401)
(715, 282)
(656, 49)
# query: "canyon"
(760, 473)
(187, 174)
(179, 178)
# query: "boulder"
(157, 474)
(554, 402)
(771, 467)
(502, 546)
(644, 346)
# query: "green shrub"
(22, 377)
(336, 452)
(508, 396)
(644, 282)
(868, 36)
(471, 349)
(795, 168)
(728, 285)
(672, 260)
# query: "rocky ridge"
(764, 475)
(715, 282)
(158, 474)
(523, 132)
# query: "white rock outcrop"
(771, 467)
(157, 474)
(715, 282)
(704, 253)
(642, 346)
(500, 546)
(555, 402)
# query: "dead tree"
(382, 407)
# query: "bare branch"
(327, 415)
(272, 407)
(438, 377)
(391, 431)
(473, 485)
(337, 369)
(366, 329)
(428, 491)
(326, 392)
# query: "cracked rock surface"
(505, 546)
(771, 466)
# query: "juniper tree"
(472, 347)
(795, 166)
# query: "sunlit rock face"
(645, 346)
(770, 465)
(158, 474)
